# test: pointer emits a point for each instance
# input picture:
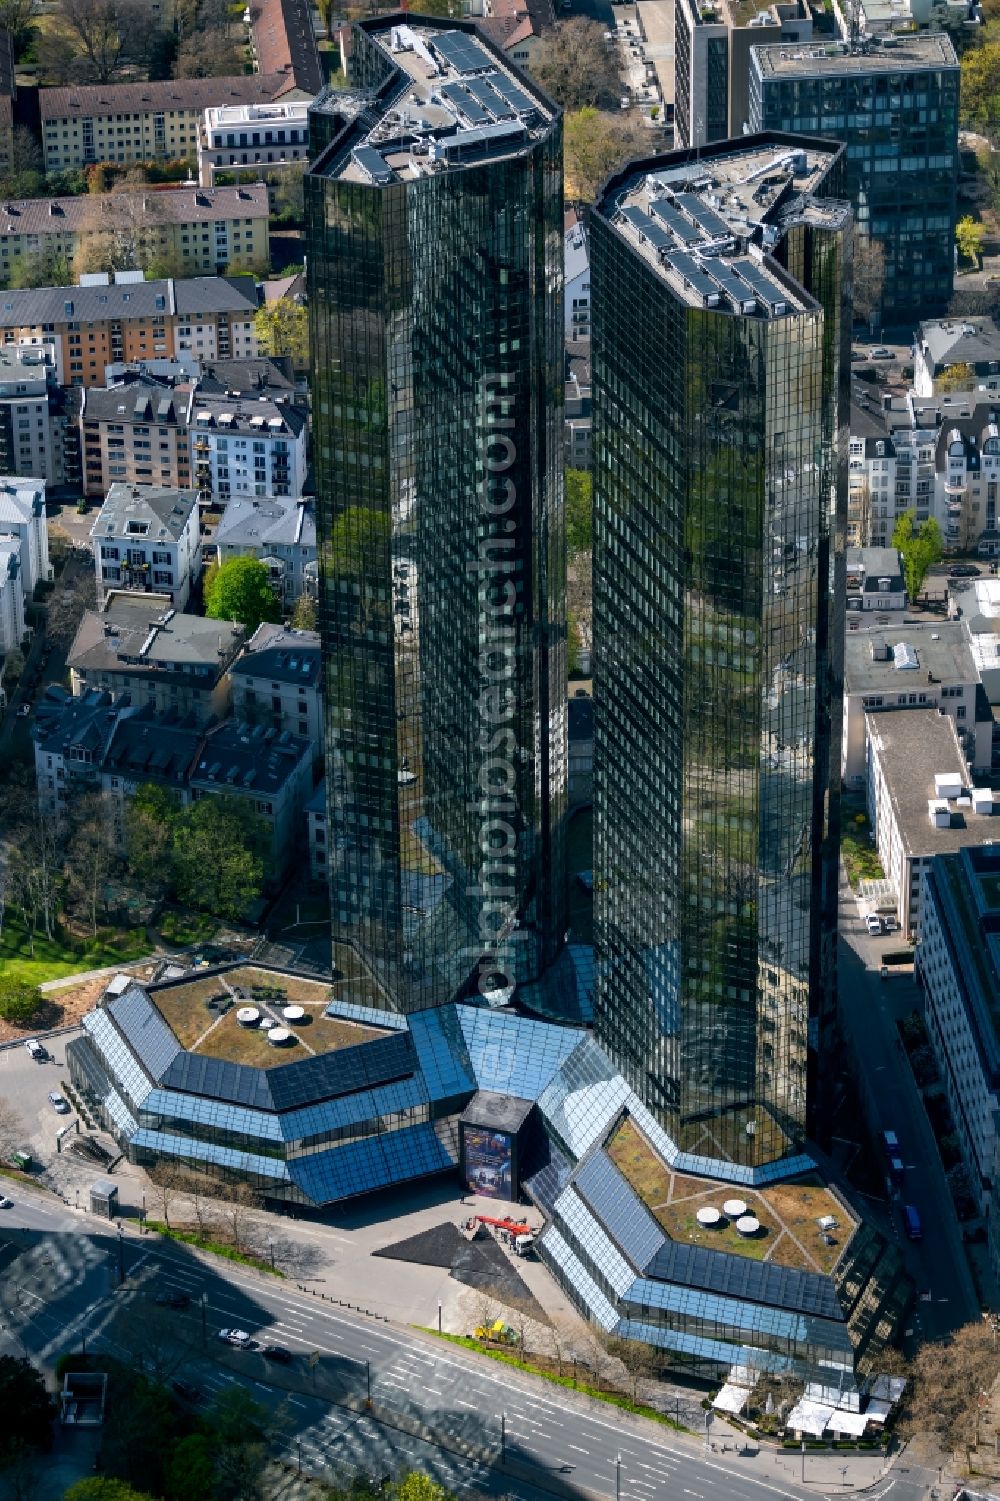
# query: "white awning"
(731, 1399)
(809, 1417)
(852, 1423)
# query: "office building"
(712, 61)
(960, 968)
(720, 447)
(252, 139)
(894, 102)
(203, 230)
(140, 122)
(146, 538)
(438, 432)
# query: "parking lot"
(26, 1084)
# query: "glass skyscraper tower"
(435, 291)
(720, 441)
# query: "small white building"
(276, 683)
(146, 538)
(943, 345)
(576, 258)
(22, 515)
(11, 595)
(279, 530)
(246, 445)
(876, 591)
(921, 802)
(268, 137)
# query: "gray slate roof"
(960, 341)
(239, 757)
(242, 408)
(267, 521)
(943, 649)
(21, 500)
(142, 634)
(281, 655)
(166, 509)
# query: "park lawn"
(63, 955)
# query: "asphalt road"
(433, 1406)
(869, 1008)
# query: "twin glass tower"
(720, 440)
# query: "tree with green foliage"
(104, 1488)
(26, 1406)
(19, 1001)
(305, 616)
(191, 1469)
(579, 511)
(16, 16)
(957, 377)
(282, 327)
(219, 848)
(969, 237)
(239, 589)
(921, 548)
(418, 1487)
(149, 822)
(980, 88)
(594, 143)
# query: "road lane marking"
(578, 1449)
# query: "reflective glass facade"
(899, 119)
(719, 504)
(436, 322)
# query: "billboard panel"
(488, 1162)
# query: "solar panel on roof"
(370, 161)
(464, 141)
(693, 274)
(739, 294)
(459, 96)
(771, 295)
(675, 220)
(657, 236)
(483, 90)
(461, 52)
(712, 223)
(514, 94)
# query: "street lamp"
(618, 1477)
(439, 1315)
(503, 1438)
(368, 1379)
(204, 1312)
(121, 1253)
(270, 1246)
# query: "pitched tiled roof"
(78, 102)
(89, 213)
(285, 42)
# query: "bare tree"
(90, 851)
(577, 65)
(106, 30)
(869, 278)
(36, 875)
(951, 1377)
(238, 1201)
(16, 17)
(638, 1360)
(66, 608)
(168, 1183)
(150, 1335)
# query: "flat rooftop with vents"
(706, 223)
(452, 100)
(897, 53)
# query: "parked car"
(912, 1222)
(963, 571)
(890, 923)
(891, 1143)
(897, 1168)
(171, 1300)
(6, 1203)
(881, 353)
(57, 1102)
(874, 924)
(36, 1051)
(277, 1352)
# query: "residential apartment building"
(264, 138)
(278, 530)
(22, 517)
(576, 271)
(248, 445)
(146, 538)
(165, 661)
(70, 737)
(139, 122)
(876, 590)
(417, 574)
(210, 230)
(959, 964)
(716, 796)
(921, 802)
(277, 682)
(893, 101)
(11, 595)
(712, 61)
(956, 351)
(967, 473)
(515, 26)
(136, 433)
(924, 665)
(577, 404)
(271, 772)
(128, 319)
(38, 430)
